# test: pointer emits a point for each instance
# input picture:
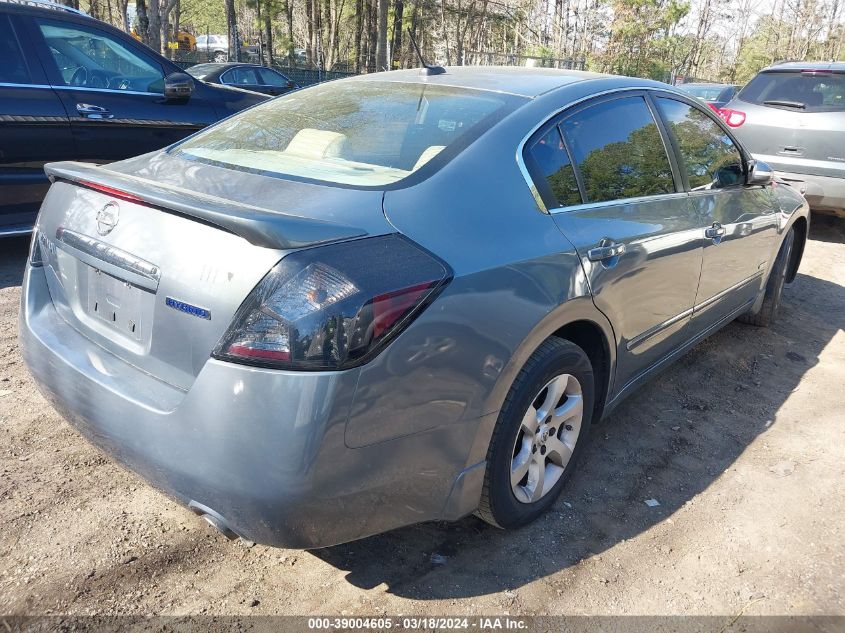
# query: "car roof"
(520, 81)
(41, 6)
(224, 65)
(835, 66)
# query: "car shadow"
(827, 228)
(13, 254)
(669, 441)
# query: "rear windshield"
(360, 133)
(706, 93)
(201, 71)
(809, 91)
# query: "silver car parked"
(398, 297)
(792, 116)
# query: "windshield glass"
(362, 133)
(810, 91)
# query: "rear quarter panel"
(517, 279)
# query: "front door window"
(90, 58)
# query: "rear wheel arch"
(800, 226)
(591, 338)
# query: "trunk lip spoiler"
(257, 225)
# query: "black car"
(247, 76)
(714, 95)
(75, 88)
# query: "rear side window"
(619, 151)
(552, 161)
(240, 76)
(804, 91)
(13, 68)
(711, 159)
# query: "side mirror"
(759, 173)
(178, 87)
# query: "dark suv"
(792, 116)
(72, 87)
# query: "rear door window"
(13, 69)
(618, 150)
(710, 158)
(240, 77)
(803, 91)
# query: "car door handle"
(90, 111)
(714, 232)
(605, 250)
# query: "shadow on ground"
(13, 253)
(669, 441)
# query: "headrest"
(427, 155)
(311, 143)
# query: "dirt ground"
(742, 442)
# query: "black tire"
(768, 311)
(499, 505)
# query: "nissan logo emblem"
(107, 218)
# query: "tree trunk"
(124, 16)
(289, 19)
(445, 31)
(309, 28)
(396, 52)
(260, 32)
(359, 31)
(381, 44)
(268, 36)
(154, 28)
(232, 29)
(143, 26)
(316, 32)
(372, 35)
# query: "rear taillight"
(734, 118)
(715, 109)
(335, 306)
(36, 257)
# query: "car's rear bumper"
(264, 450)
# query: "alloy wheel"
(546, 438)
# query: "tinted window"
(710, 157)
(365, 133)
(619, 151)
(272, 78)
(90, 58)
(13, 68)
(240, 77)
(552, 161)
(802, 91)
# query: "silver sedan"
(399, 297)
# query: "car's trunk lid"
(154, 271)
